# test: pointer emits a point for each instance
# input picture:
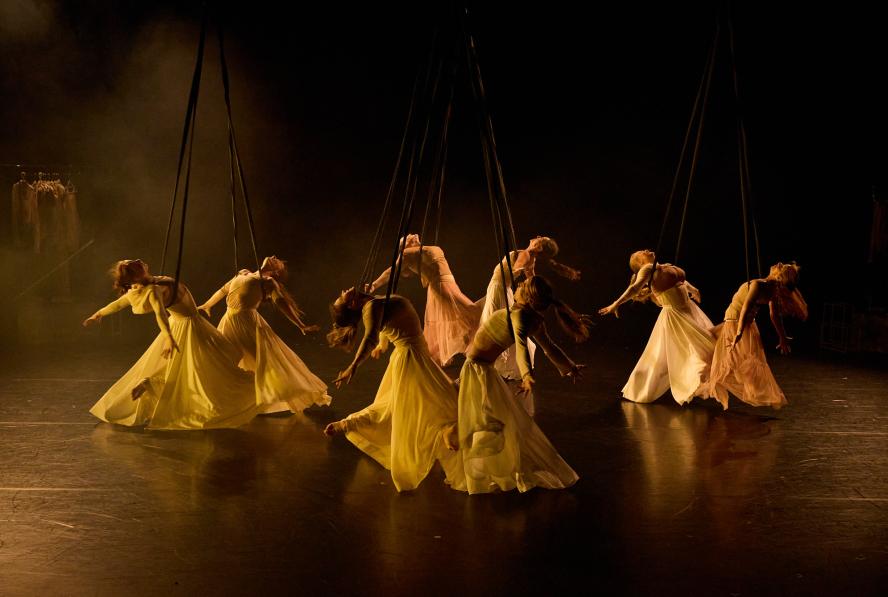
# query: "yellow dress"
(283, 382)
(199, 386)
(402, 428)
(501, 446)
(494, 300)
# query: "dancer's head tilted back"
(274, 268)
(789, 299)
(639, 259)
(535, 292)
(345, 312)
(543, 246)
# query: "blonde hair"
(788, 297)
(636, 260)
(549, 246)
(275, 268)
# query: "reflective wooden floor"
(671, 500)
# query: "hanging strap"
(697, 141)
(743, 167)
(704, 77)
(187, 141)
(235, 162)
(187, 130)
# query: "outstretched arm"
(113, 307)
(217, 296)
(566, 367)
(564, 271)
(285, 304)
(372, 324)
(383, 278)
(641, 281)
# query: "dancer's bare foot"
(450, 437)
(335, 428)
(140, 389)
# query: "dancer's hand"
(94, 318)
(170, 347)
(695, 295)
(576, 372)
(735, 341)
(612, 308)
(205, 309)
(335, 428)
(345, 377)
(309, 329)
(783, 346)
(377, 352)
(527, 383)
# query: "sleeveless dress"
(199, 386)
(283, 382)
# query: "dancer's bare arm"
(382, 280)
(749, 303)
(156, 300)
(641, 281)
(566, 367)
(113, 307)
(284, 303)
(372, 324)
(217, 296)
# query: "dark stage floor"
(683, 501)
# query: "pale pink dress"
(743, 371)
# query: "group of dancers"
(479, 427)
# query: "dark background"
(589, 108)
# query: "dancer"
(538, 257)
(283, 382)
(501, 446)
(188, 378)
(451, 318)
(739, 365)
(679, 351)
(412, 420)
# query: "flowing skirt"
(283, 382)
(402, 429)
(501, 446)
(451, 320)
(676, 357)
(198, 387)
(507, 363)
(743, 371)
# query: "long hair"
(120, 277)
(539, 294)
(344, 332)
(788, 297)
